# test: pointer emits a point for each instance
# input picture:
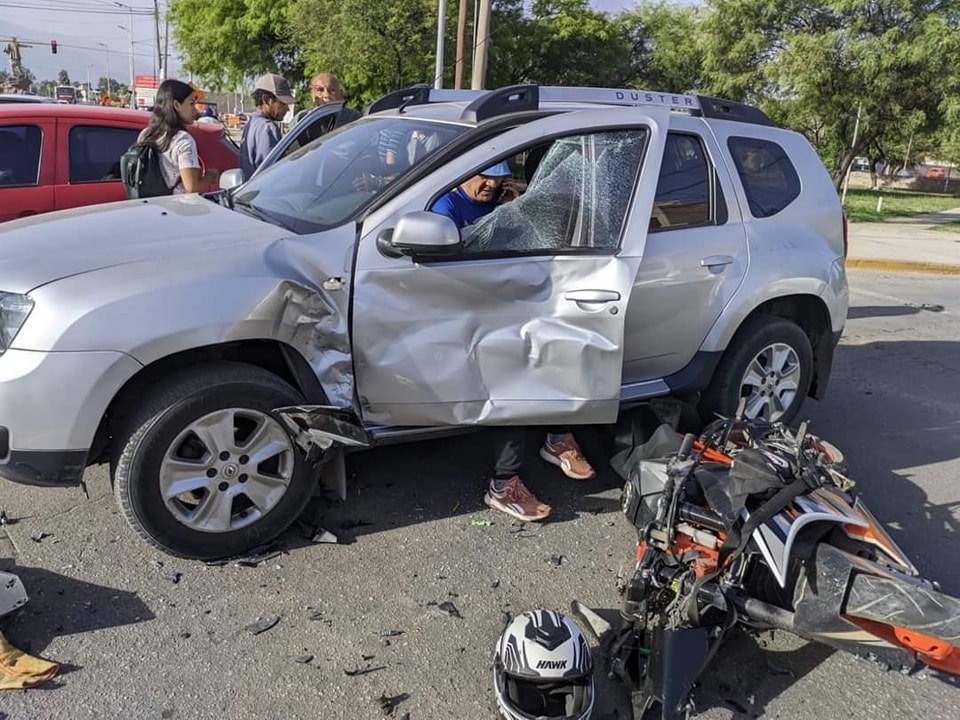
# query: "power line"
(73, 9)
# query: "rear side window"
(95, 152)
(769, 179)
(20, 155)
(683, 189)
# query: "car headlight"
(14, 310)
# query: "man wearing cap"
(477, 196)
(506, 492)
(272, 97)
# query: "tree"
(63, 78)
(666, 46)
(558, 42)
(373, 46)
(226, 41)
(813, 64)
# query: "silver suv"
(661, 245)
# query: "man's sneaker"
(516, 500)
(566, 455)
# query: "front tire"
(205, 470)
(769, 364)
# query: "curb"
(902, 266)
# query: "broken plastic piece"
(363, 671)
(481, 522)
(389, 705)
(390, 633)
(303, 659)
(596, 624)
(262, 624)
(555, 560)
(324, 536)
(174, 577)
(451, 609)
(38, 536)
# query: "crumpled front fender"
(316, 429)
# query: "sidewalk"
(906, 244)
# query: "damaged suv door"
(518, 319)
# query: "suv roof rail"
(510, 99)
(418, 94)
(729, 110)
(485, 104)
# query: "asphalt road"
(143, 635)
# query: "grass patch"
(952, 226)
(862, 204)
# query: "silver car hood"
(38, 250)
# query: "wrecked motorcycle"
(753, 524)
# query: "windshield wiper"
(259, 213)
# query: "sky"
(80, 26)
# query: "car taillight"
(846, 242)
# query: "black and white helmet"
(543, 669)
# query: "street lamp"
(132, 91)
(107, 47)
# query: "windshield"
(326, 182)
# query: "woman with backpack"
(175, 107)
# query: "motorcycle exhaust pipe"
(775, 617)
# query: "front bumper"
(51, 405)
(45, 468)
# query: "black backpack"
(141, 174)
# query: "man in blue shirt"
(273, 98)
(465, 204)
(478, 196)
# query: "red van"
(54, 157)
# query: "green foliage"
(666, 46)
(227, 41)
(861, 205)
(810, 65)
(373, 46)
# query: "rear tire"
(204, 469)
(770, 363)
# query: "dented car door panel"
(509, 340)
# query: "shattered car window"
(326, 182)
(577, 199)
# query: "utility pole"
(441, 32)
(461, 39)
(166, 45)
(133, 100)
(480, 48)
(109, 82)
(853, 149)
(156, 25)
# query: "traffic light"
(53, 46)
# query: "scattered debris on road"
(262, 624)
(449, 608)
(390, 704)
(390, 633)
(39, 535)
(324, 536)
(303, 659)
(364, 671)
(257, 555)
(555, 560)
(481, 522)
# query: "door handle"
(591, 296)
(716, 260)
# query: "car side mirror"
(231, 178)
(421, 234)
